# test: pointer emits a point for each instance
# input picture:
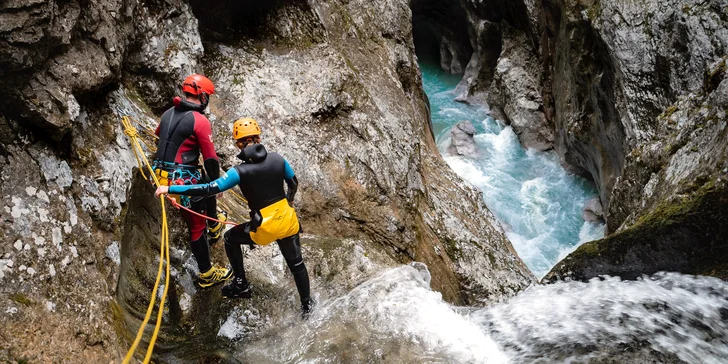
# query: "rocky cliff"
(337, 90)
(641, 106)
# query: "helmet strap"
(204, 99)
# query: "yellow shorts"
(279, 221)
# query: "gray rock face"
(655, 140)
(441, 32)
(637, 58)
(462, 141)
(517, 91)
(593, 210)
(337, 91)
(487, 43)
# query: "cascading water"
(396, 318)
(538, 202)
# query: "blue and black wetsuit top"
(260, 177)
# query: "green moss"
(693, 217)
(171, 48)
(118, 322)
(715, 77)
(452, 249)
(594, 11)
(21, 299)
(491, 258)
(668, 112)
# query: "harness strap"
(171, 130)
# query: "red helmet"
(196, 84)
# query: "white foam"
(675, 314)
(395, 309)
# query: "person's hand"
(161, 190)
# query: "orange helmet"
(196, 84)
(245, 127)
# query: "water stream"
(394, 317)
(538, 202)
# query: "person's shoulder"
(168, 111)
(199, 116)
(276, 156)
(200, 119)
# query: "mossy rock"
(688, 235)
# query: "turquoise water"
(539, 204)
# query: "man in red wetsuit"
(184, 132)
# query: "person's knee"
(228, 237)
(296, 265)
(196, 232)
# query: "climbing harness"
(170, 174)
(159, 177)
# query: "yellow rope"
(133, 134)
(130, 129)
(238, 196)
(142, 162)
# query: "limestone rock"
(462, 141)
(517, 90)
(593, 211)
(671, 196)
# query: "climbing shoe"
(306, 308)
(215, 231)
(238, 288)
(215, 275)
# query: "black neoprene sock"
(201, 251)
(300, 276)
(234, 253)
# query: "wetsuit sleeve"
(203, 134)
(291, 181)
(226, 182)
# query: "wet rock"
(593, 211)
(517, 90)
(479, 73)
(462, 141)
(662, 81)
(441, 34)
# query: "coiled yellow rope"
(143, 162)
(133, 135)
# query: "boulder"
(462, 141)
(593, 211)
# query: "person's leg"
(198, 240)
(291, 251)
(214, 228)
(209, 274)
(234, 239)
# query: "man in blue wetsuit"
(260, 177)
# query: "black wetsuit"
(184, 133)
(260, 177)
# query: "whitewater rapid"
(395, 317)
(539, 204)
